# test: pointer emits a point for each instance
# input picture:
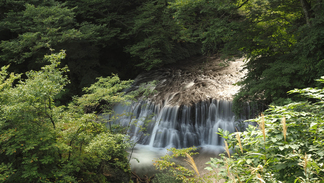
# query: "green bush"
(287, 145)
(165, 178)
(44, 142)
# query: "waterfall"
(164, 126)
(191, 101)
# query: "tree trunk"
(306, 8)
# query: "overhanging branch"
(242, 4)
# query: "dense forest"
(50, 130)
(281, 39)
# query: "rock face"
(194, 80)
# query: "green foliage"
(165, 178)
(102, 94)
(287, 149)
(28, 122)
(102, 37)
(279, 46)
(280, 40)
(211, 22)
(44, 142)
(37, 28)
(157, 38)
(110, 148)
(179, 172)
(145, 30)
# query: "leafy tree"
(156, 37)
(101, 50)
(211, 22)
(101, 37)
(276, 63)
(44, 142)
(34, 26)
(29, 120)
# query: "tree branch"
(242, 4)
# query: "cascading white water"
(177, 126)
(190, 103)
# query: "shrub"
(43, 142)
(287, 145)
